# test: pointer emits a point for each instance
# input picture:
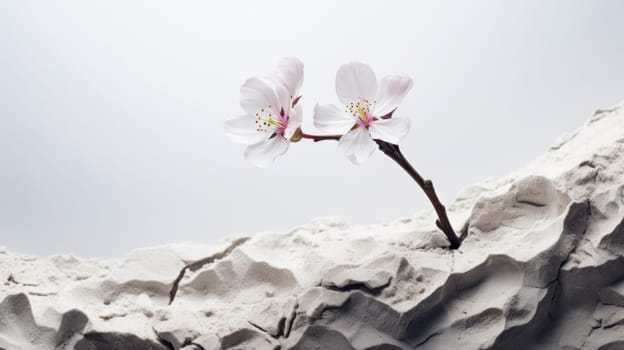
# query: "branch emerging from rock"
(394, 152)
(443, 223)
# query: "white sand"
(542, 268)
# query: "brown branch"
(196, 265)
(317, 138)
(442, 222)
(394, 152)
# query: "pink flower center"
(274, 124)
(281, 123)
(361, 109)
(365, 120)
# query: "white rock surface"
(541, 268)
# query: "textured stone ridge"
(542, 268)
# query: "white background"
(111, 112)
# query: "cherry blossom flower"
(272, 114)
(367, 112)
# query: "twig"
(393, 151)
(443, 223)
(317, 138)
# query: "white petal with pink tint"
(391, 130)
(331, 119)
(357, 145)
(392, 90)
(285, 102)
(296, 116)
(256, 95)
(243, 129)
(264, 153)
(355, 81)
(289, 73)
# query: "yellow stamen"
(360, 109)
(273, 122)
(363, 114)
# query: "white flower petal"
(283, 98)
(357, 145)
(296, 117)
(390, 130)
(263, 154)
(243, 129)
(289, 73)
(257, 94)
(392, 90)
(331, 119)
(355, 80)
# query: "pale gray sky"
(111, 112)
